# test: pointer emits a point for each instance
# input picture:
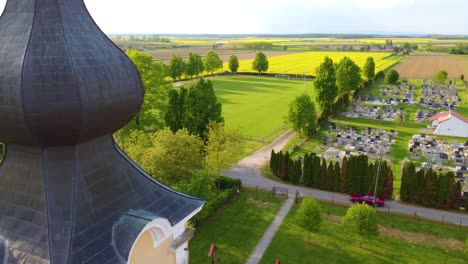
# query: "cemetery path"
(249, 171)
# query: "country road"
(249, 171)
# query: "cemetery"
(346, 142)
(438, 150)
(436, 95)
(387, 113)
(402, 93)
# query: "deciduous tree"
(391, 77)
(233, 63)
(193, 65)
(169, 157)
(212, 62)
(361, 220)
(151, 115)
(348, 76)
(309, 215)
(219, 148)
(176, 67)
(302, 116)
(369, 68)
(260, 63)
(441, 76)
(325, 84)
(201, 108)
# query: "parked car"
(367, 198)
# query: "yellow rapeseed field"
(307, 62)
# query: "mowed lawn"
(258, 105)
(307, 62)
(235, 229)
(334, 244)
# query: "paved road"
(248, 170)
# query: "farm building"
(68, 193)
(450, 123)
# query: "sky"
(279, 16)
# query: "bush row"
(430, 188)
(354, 175)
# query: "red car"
(367, 198)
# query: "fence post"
(443, 217)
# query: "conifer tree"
(285, 167)
(455, 200)
(323, 175)
(337, 177)
(280, 164)
(344, 174)
(316, 172)
(408, 172)
(417, 187)
(291, 171)
(330, 174)
(388, 189)
(429, 186)
(307, 175)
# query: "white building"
(450, 123)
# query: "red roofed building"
(450, 123)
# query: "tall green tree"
(212, 62)
(391, 77)
(169, 157)
(408, 173)
(219, 148)
(441, 76)
(193, 65)
(233, 63)
(361, 219)
(369, 68)
(430, 188)
(175, 113)
(260, 63)
(323, 175)
(325, 84)
(388, 189)
(309, 215)
(302, 116)
(348, 76)
(151, 115)
(344, 174)
(336, 177)
(176, 67)
(201, 108)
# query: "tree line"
(355, 174)
(430, 188)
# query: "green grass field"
(235, 229)
(307, 62)
(334, 244)
(258, 106)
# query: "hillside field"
(427, 66)
(258, 105)
(307, 62)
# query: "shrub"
(391, 77)
(379, 76)
(224, 183)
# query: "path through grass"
(236, 228)
(333, 244)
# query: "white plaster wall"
(453, 127)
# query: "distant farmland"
(307, 62)
(427, 66)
